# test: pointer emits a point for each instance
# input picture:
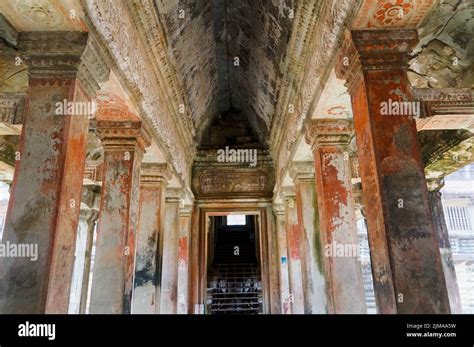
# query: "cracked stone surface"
(445, 54)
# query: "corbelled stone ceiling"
(228, 55)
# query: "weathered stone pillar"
(169, 271)
(146, 290)
(311, 243)
(46, 193)
(406, 262)
(344, 283)
(273, 257)
(436, 204)
(293, 239)
(183, 259)
(124, 141)
(279, 212)
(84, 241)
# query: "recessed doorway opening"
(234, 274)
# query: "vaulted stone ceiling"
(228, 54)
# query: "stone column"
(80, 275)
(279, 212)
(124, 141)
(311, 242)
(153, 182)
(46, 192)
(406, 262)
(275, 300)
(436, 205)
(169, 272)
(293, 239)
(183, 258)
(329, 139)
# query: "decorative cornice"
(348, 65)
(329, 132)
(445, 101)
(145, 16)
(52, 54)
(114, 24)
(321, 44)
(93, 68)
(304, 21)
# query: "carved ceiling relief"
(392, 13)
(43, 15)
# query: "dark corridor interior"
(234, 285)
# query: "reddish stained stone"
(295, 240)
(183, 250)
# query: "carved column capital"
(301, 170)
(384, 49)
(279, 209)
(328, 132)
(66, 54)
(173, 195)
(154, 174)
(381, 49)
(116, 126)
(52, 54)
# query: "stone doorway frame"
(199, 246)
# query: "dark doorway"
(234, 285)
